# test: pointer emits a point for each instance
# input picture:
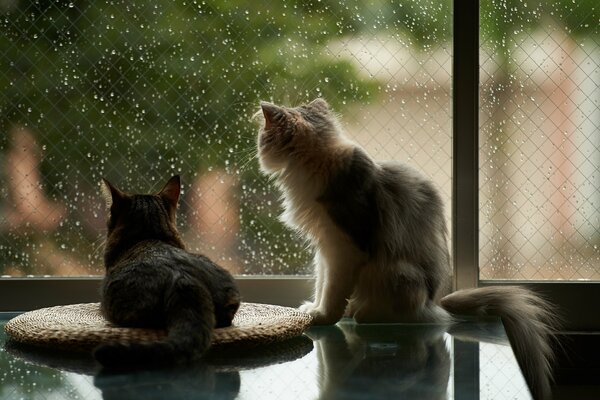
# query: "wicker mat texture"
(220, 358)
(81, 327)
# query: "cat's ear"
(319, 104)
(110, 193)
(170, 193)
(272, 113)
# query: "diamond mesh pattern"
(136, 92)
(499, 374)
(540, 142)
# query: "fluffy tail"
(190, 321)
(529, 321)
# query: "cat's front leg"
(319, 265)
(338, 271)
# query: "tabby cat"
(380, 237)
(153, 282)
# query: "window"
(137, 92)
(539, 141)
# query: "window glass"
(137, 91)
(540, 140)
(499, 374)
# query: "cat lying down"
(380, 237)
(153, 282)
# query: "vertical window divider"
(465, 171)
(465, 146)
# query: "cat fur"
(151, 281)
(380, 238)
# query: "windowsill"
(23, 294)
(27, 293)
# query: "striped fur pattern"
(153, 282)
(380, 237)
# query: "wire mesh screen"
(540, 140)
(137, 91)
(499, 374)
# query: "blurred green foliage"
(136, 91)
(155, 79)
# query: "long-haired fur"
(380, 237)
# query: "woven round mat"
(81, 327)
(221, 358)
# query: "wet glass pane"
(137, 91)
(343, 361)
(540, 140)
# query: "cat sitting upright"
(153, 282)
(379, 235)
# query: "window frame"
(570, 297)
(25, 294)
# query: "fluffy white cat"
(380, 237)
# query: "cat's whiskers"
(249, 158)
(249, 108)
(98, 246)
(307, 93)
(245, 154)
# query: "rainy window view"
(540, 140)
(137, 91)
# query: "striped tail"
(190, 323)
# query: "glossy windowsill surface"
(469, 360)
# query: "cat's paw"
(307, 307)
(321, 318)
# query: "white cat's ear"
(320, 104)
(110, 193)
(271, 112)
(170, 193)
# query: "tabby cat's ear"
(170, 193)
(272, 113)
(110, 193)
(320, 104)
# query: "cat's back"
(147, 264)
(408, 187)
(157, 255)
(196, 265)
